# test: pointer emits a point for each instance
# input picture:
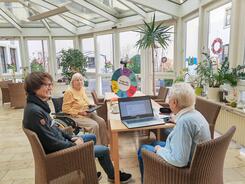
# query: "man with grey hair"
(191, 129)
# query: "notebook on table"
(137, 112)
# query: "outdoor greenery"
(134, 64)
(72, 61)
(36, 66)
(153, 34)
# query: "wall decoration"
(217, 46)
(123, 82)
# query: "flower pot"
(213, 93)
(198, 91)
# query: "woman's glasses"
(48, 85)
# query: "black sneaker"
(99, 176)
(124, 178)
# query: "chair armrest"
(68, 130)
(101, 100)
(163, 104)
(158, 170)
(79, 157)
(60, 114)
(159, 100)
(153, 97)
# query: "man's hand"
(78, 141)
(157, 148)
(83, 113)
(75, 138)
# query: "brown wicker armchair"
(74, 165)
(162, 95)
(5, 91)
(102, 112)
(17, 95)
(206, 166)
(209, 110)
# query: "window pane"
(105, 50)
(106, 85)
(10, 55)
(164, 58)
(91, 84)
(88, 51)
(219, 33)
(38, 55)
(60, 45)
(128, 51)
(191, 45)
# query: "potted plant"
(36, 66)
(152, 35)
(72, 61)
(12, 67)
(214, 78)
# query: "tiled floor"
(17, 167)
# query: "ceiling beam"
(58, 20)
(4, 13)
(163, 6)
(49, 13)
(68, 14)
(96, 10)
(134, 7)
(45, 23)
(77, 17)
(133, 21)
(104, 7)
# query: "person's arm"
(179, 150)
(46, 134)
(67, 106)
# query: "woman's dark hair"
(35, 80)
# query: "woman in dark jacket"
(38, 86)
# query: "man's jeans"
(102, 153)
(151, 148)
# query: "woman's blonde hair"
(184, 94)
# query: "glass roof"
(76, 14)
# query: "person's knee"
(101, 151)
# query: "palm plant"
(152, 35)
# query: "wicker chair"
(74, 165)
(209, 110)
(206, 166)
(102, 112)
(17, 95)
(161, 97)
(5, 91)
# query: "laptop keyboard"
(140, 120)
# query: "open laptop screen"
(135, 107)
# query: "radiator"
(228, 117)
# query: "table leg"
(115, 156)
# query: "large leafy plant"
(153, 34)
(207, 74)
(72, 61)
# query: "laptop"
(137, 112)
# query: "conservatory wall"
(194, 31)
